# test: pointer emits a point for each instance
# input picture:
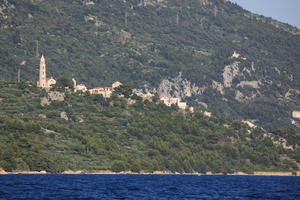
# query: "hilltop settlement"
(48, 82)
(64, 127)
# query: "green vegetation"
(111, 134)
(93, 44)
(62, 83)
(124, 90)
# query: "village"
(48, 82)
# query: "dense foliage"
(97, 44)
(111, 134)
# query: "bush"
(118, 166)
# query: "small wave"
(134, 188)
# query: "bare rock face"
(151, 2)
(181, 88)
(56, 96)
(52, 96)
(235, 72)
(205, 105)
(253, 84)
(42, 116)
(230, 71)
(239, 96)
(292, 94)
(80, 118)
(218, 86)
(64, 116)
(45, 101)
(178, 87)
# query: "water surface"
(141, 187)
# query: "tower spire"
(42, 78)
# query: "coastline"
(109, 172)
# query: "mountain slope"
(80, 131)
(179, 48)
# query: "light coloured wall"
(182, 105)
(296, 114)
(50, 82)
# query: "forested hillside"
(59, 131)
(181, 48)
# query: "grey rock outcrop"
(64, 116)
(178, 87)
(45, 101)
(56, 96)
(230, 71)
(42, 116)
(52, 96)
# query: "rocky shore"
(258, 173)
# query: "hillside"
(181, 48)
(75, 131)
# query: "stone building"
(296, 114)
(105, 91)
(235, 55)
(116, 84)
(79, 87)
(169, 100)
(44, 81)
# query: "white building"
(169, 100)
(296, 114)
(116, 84)
(176, 101)
(88, 2)
(235, 55)
(44, 81)
(207, 114)
(79, 87)
(105, 91)
(182, 105)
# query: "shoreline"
(109, 172)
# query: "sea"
(165, 187)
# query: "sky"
(283, 10)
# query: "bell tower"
(42, 78)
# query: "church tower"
(42, 80)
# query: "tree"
(118, 166)
(136, 166)
(63, 82)
(125, 90)
(136, 97)
(155, 98)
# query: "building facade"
(44, 81)
(169, 100)
(296, 114)
(105, 91)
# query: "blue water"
(140, 187)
